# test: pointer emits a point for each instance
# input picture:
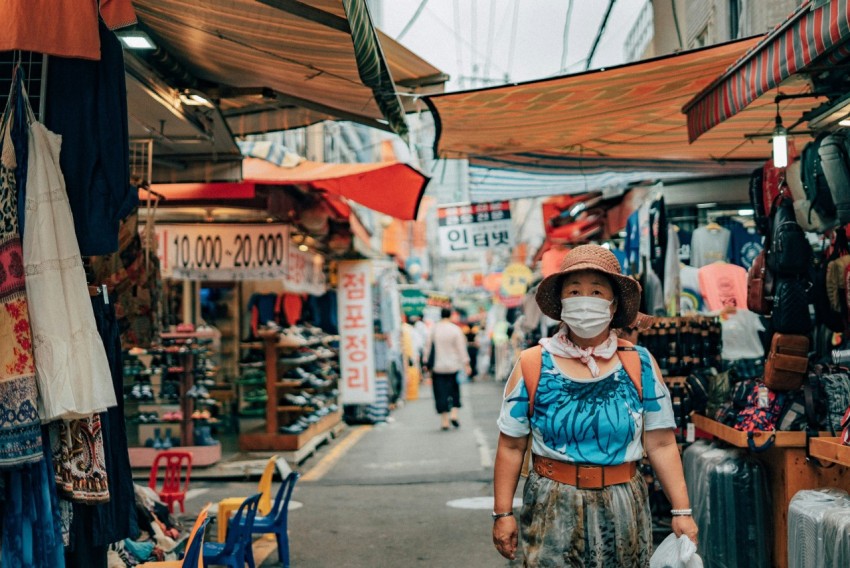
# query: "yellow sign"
(515, 280)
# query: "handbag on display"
(762, 410)
(815, 186)
(789, 251)
(772, 180)
(759, 286)
(793, 417)
(825, 313)
(787, 362)
(757, 200)
(827, 391)
(791, 307)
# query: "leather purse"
(787, 362)
(759, 286)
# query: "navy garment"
(632, 243)
(86, 103)
(95, 526)
(20, 140)
(745, 244)
(685, 246)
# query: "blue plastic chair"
(238, 548)
(192, 558)
(276, 521)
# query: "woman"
(587, 423)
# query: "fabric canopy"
(601, 128)
(815, 29)
(279, 64)
(391, 188)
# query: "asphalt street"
(393, 495)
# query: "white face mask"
(586, 316)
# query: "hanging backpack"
(773, 179)
(759, 286)
(824, 313)
(531, 365)
(834, 152)
(791, 307)
(761, 411)
(789, 251)
(757, 200)
(814, 182)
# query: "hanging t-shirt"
(594, 421)
(672, 282)
(685, 246)
(631, 245)
(740, 334)
(621, 258)
(723, 285)
(658, 236)
(690, 302)
(709, 245)
(653, 294)
(745, 244)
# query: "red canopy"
(388, 187)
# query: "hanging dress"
(71, 367)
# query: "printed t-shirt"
(593, 421)
(723, 285)
(709, 245)
(744, 245)
(690, 302)
(685, 246)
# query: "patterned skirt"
(561, 525)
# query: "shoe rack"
(281, 352)
(181, 354)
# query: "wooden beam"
(310, 13)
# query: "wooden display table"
(784, 456)
(202, 456)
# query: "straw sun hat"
(592, 257)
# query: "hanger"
(713, 226)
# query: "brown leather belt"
(584, 476)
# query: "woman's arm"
(665, 459)
(509, 457)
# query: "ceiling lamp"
(780, 142)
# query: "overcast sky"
(445, 35)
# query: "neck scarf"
(561, 346)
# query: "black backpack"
(814, 181)
(757, 201)
(789, 252)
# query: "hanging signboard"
(469, 229)
(305, 273)
(413, 302)
(356, 331)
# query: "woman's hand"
(505, 536)
(681, 526)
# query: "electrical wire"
(676, 21)
(412, 20)
(566, 40)
(458, 44)
(514, 26)
(599, 33)
(491, 28)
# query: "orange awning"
(600, 128)
(388, 187)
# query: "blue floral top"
(591, 421)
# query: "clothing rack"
(35, 77)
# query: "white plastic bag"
(676, 553)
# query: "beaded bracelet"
(681, 512)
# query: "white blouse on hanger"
(72, 370)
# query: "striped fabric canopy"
(603, 128)
(815, 29)
(278, 64)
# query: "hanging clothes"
(20, 426)
(71, 366)
(86, 104)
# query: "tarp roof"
(388, 187)
(624, 123)
(279, 64)
(814, 30)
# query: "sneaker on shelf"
(297, 358)
(292, 337)
(296, 400)
(292, 429)
(256, 395)
(192, 392)
(312, 418)
(253, 359)
(202, 392)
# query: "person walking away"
(593, 405)
(450, 357)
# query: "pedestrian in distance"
(448, 357)
(591, 406)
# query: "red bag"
(772, 181)
(760, 286)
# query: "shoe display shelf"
(790, 471)
(300, 406)
(165, 403)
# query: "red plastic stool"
(172, 491)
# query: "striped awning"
(599, 129)
(279, 64)
(817, 30)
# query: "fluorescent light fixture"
(137, 40)
(844, 122)
(745, 212)
(303, 248)
(780, 146)
(706, 205)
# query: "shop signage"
(356, 331)
(469, 229)
(413, 302)
(223, 252)
(305, 273)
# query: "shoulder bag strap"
(630, 358)
(531, 365)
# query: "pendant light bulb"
(780, 143)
